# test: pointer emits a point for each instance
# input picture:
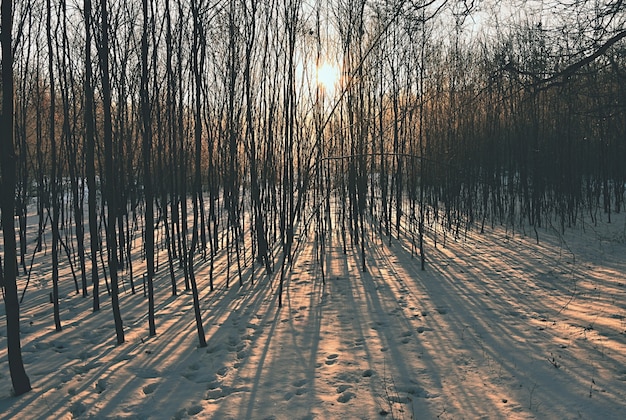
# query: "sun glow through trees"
(328, 77)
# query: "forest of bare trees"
(149, 137)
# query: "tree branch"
(570, 70)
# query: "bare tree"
(54, 182)
(198, 59)
(147, 170)
(8, 276)
(110, 188)
(90, 157)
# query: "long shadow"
(285, 333)
(495, 303)
(506, 314)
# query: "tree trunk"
(197, 34)
(147, 174)
(90, 160)
(111, 194)
(19, 379)
(54, 195)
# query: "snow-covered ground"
(497, 326)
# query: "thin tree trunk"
(147, 173)
(90, 160)
(8, 276)
(198, 37)
(54, 183)
(111, 193)
(169, 137)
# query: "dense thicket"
(200, 127)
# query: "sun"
(328, 77)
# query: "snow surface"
(497, 326)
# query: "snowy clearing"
(497, 326)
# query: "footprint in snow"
(331, 359)
(149, 389)
(223, 391)
(194, 409)
(215, 394)
(213, 385)
(101, 386)
(301, 391)
(298, 383)
(346, 396)
(77, 409)
(348, 377)
(343, 388)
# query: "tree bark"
(111, 195)
(54, 196)
(90, 160)
(19, 379)
(147, 173)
